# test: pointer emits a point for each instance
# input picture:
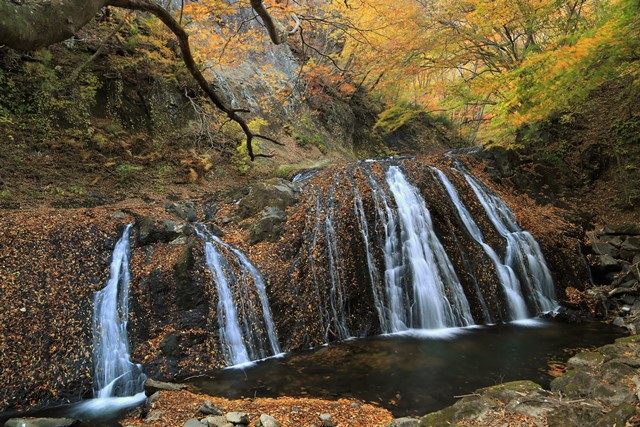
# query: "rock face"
(275, 193)
(615, 263)
(600, 388)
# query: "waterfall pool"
(413, 373)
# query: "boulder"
(152, 231)
(275, 192)
(40, 422)
(269, 227)
(602, 248)
(237, 417)
(216, 421)
(632, 229)
(185, 211)
(267, 421)
(586, 359)
(209, 408)
(608, 263)
(632, 244)
(194, 423)
(473, 407)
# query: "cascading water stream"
(118, 382)
(258, 281)
(508, 279)
(393, 313)
(523, 253)
(240, 344)
(439, 300)
(336, 293)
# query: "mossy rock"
(575, 383)
(587, 359)
(467, 408)
(507, 391)
(631, 339)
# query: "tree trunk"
(32, 24)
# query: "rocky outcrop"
(614, 255)
(600, 388)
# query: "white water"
(395, 313)
(240, 331)
(118, 383)
(374, 275)
(438, 297)
(523, 254)
(258, 281)
(336, 293)
(508, 279)
(114, 373)
(234, 349)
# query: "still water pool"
(415, 372)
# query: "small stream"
(414, 372)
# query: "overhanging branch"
(187, 56)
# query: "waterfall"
(336, 293)
(508, 279)
(118, 383)
(413, 282)
(438, 297)
(523, 254)
(393, 301)
(247, 330)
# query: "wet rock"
(632, 229)
(275, 192)
(404, 422)
(185, 211)
(40, 422)
(209, 408)
(269, 227)
(326, 421)
(194, 423)
(237, 417)
(170, 346)
(267, 421)
(151, 386)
